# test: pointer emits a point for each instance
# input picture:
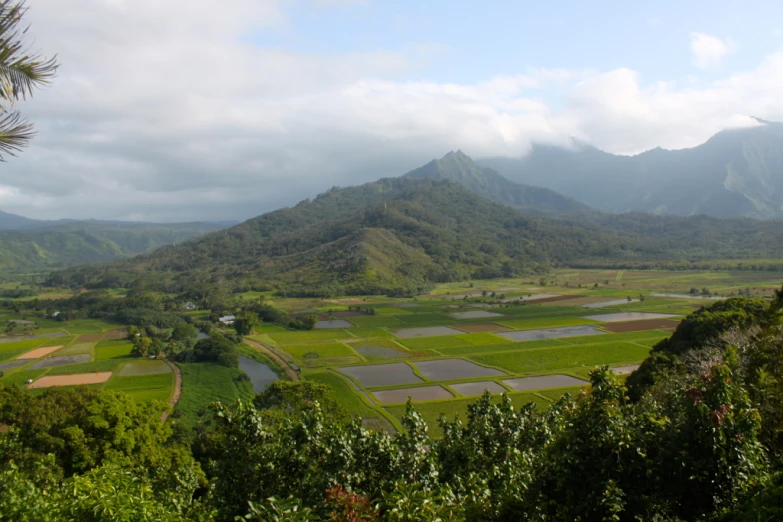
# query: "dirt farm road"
(177, 389)
(272, 355)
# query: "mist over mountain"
(461, 169)
(737, 172)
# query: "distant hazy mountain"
(459, 168)
(737, 172)
(42, 247)
(14, 222)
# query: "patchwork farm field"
(534, 340)
(86, 352)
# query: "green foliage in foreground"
(702, 442)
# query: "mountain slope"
(395, 235)
(15, 222)
(737, 172)
(401, 235)
(459, 168)
(42, 249)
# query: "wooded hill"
(43, 249)
(399, 236)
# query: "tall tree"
(20, 73)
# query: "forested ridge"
(50, 247)
(400, 236)
(695, 435)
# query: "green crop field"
(286, 338)
(204, 383)
(323, 350)
(546, 322)
(547, 359)
(74, 349)
(113, 352)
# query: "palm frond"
(20, 71)
(15, 133)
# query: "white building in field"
(227, 320)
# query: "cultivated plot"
(382, 374)
(627, 316)
(426, 331)
(13, 364)
(640, 326)
(334, 323)
(424, 393)
(61, 361)
(470, 389)
(604, 304)
(380, 349)
(144, 368)
(474, 314)
(552, 333)
(454, 369)
(70, 380)
(39, 352)
(483, 328)
(543, 382)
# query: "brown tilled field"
(482, 328)
(70, 380)
(39, 352)
(121, 333)
(638, 326)
(90, 337)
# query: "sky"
(185, 110)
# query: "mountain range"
(449, 220)
(737, 172)
(33, 246)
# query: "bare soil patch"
(482, 328)
(70, 380)
(90, 337)
(39, 352)
(121, 333)
(637, 326)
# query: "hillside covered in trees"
(401, 235)
(42, 248)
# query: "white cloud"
(709, 51)
(161, 111)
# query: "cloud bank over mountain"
(178, 110)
